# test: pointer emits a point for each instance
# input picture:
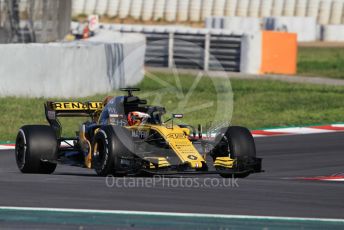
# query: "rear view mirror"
(178, 116)
(174, 116)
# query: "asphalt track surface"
(276, 192)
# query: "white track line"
(168, 214)
(338, 125)
(258, 135)
(4, 147)
(300, 130)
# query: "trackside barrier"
(112, 9)
(72, 69)
(219, 7)
(325, 11)
(242, 8)
(124, 9)
(101, 7)
(171, 10)
(230, 8)
(90, 6)
(78, 7)
(159, 9)
(148, 6)
(277, 9)
(183, 10)
(210, 49)
(305, 27)
(279, 53)
(239, 25)
(207, 7)
(251, 53)
(313, 8)
(190, 51)
(136, 8)
(289, 8)
(187, 47)
(269, 52)
(301, 7)
(337, 12)
(333, 33)
(266, 8)
(195, 10)
(253, 10)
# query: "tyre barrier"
(325, 11)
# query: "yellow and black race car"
(125, 136)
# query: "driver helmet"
(136, 118)
(106, 100)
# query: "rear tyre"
(36, 146)
(109, 145)
(239, 143)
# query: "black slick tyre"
(36, 149)
(240, 143)
(110, 144)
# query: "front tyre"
(238, 143)
(36, 146)
(109, 145)
(241, 142)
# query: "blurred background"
(89, 48)
(34, 20)
(46, 20)
(222, 29)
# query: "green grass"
(257, 103)
(321, 61)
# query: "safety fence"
(189, 48)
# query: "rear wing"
(72, 108)
(55, 109)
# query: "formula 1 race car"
(125, 136)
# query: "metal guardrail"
(157, 51)
(227, 51)
(193, 51)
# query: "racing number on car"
(192, 157)
(176, 135)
